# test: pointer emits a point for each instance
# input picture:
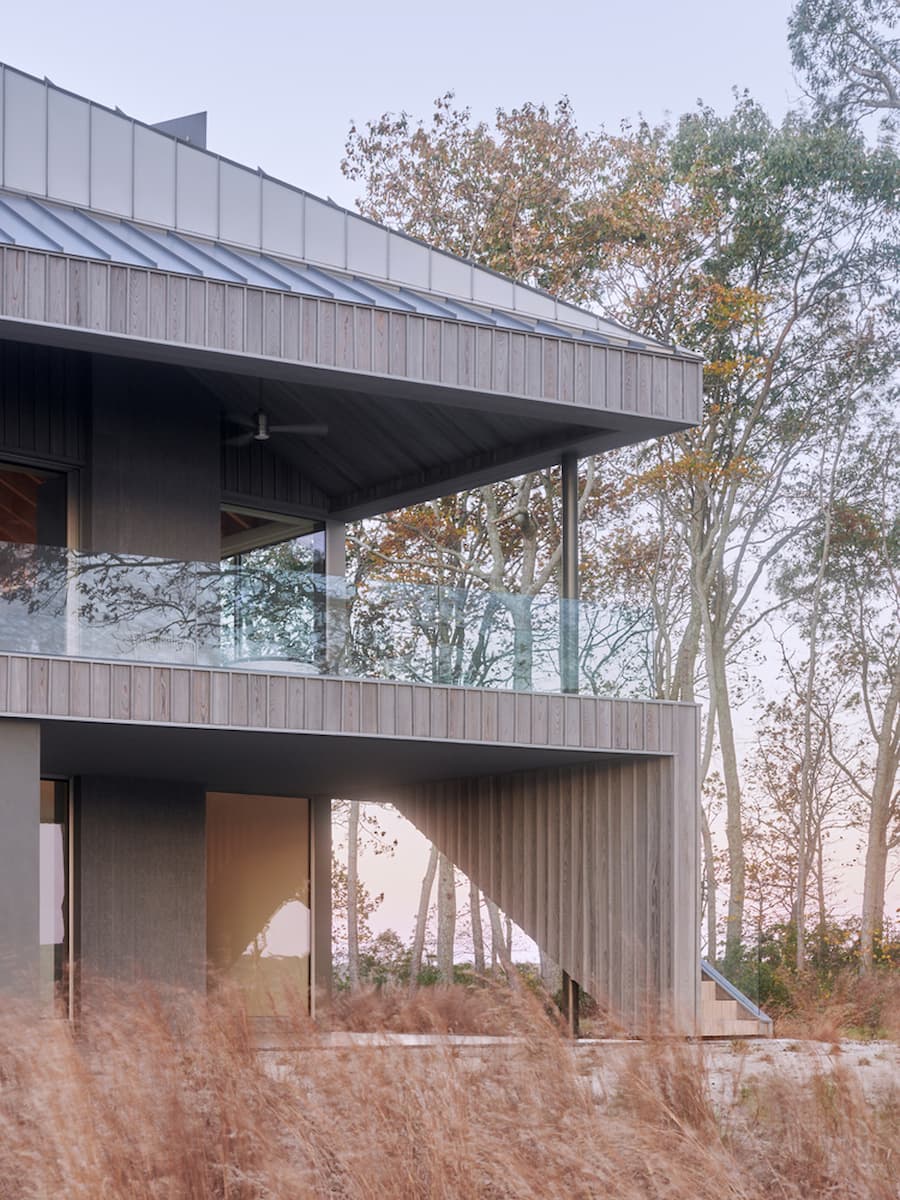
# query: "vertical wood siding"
(254, 474)
(105, 297)
(598, 864)
(37, 685)
(44, 395)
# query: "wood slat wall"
(253, 474)
(84, 294)
(83, 689)
(44, 400)
(598, 864)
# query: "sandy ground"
(731, 1065)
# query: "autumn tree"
(523, 197)
(757, 246)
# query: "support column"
(335, 597)
(20, 823)
(568, 592)
(320, 895)
(568, 665)
(571, 1003)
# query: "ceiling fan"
(259, 429)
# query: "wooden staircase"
(726, 1012)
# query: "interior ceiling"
(374, 438)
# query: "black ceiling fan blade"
(242, 439)
(241, 419)
(313, 429)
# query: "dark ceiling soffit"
(352, 765)
(474, 472)
(640, 426)
(432, 484)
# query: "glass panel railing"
(260, 616)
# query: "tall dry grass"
(849, 1005)
(172, 1099)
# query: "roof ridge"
(461, 278)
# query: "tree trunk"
(686, 659)
(418, 946)
(551, 975)
(353, 896)
(499, 949)
(709, 873)
(477, 930)
(446, 918)
(733, 824)
(886, 765)
(806, 770)
(820, 892)
(523, 654)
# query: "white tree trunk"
(353, 896)
(418, 946)
(734, 829)
(500, 951)
(446, 920)
(477, 929)
(886, 767)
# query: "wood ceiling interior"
(18, 505)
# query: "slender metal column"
(335, 601)
(320, 897)
(568, 660)
(571, 1003)
(568, 592)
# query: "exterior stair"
(725, 1012)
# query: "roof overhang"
(508, 401)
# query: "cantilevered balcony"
(269, 613)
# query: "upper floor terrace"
(275, 611)
(199, 363)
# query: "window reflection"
(258, 916)
(53, 888)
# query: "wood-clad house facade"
(154, 300)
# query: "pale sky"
(282, 82)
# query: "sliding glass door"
(258, 899)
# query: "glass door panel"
(54, 898)
(258, 899)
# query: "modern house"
(205, 373)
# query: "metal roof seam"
(136, 244)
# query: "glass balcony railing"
(269, 614)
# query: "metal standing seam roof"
(57, 228)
